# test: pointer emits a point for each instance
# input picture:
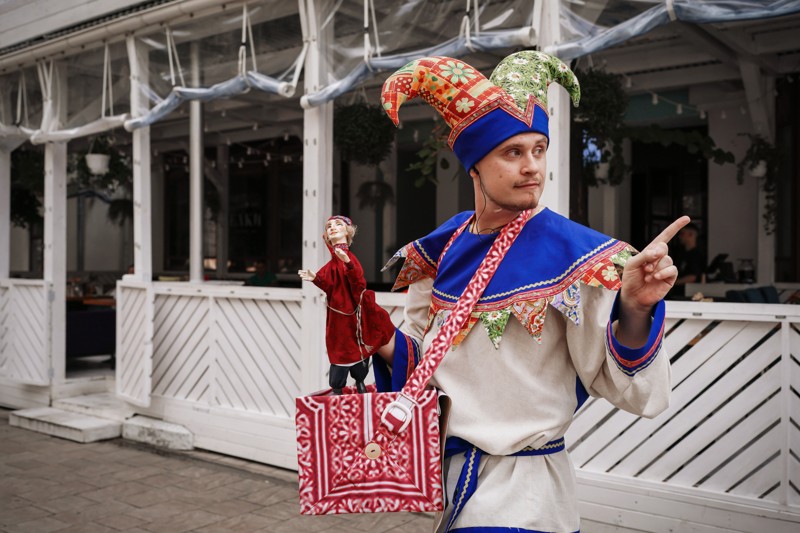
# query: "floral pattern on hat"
(529, 73)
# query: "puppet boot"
(360, 387)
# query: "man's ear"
(474, 174)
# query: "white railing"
(25, 331)
(730, 434)
(226, 364)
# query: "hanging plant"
(362, 133)
(118, 173)
(600, 119)
(429, 154)
(118, 176)
(762, 161)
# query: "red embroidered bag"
(382, 451)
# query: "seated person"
(262, 277)
(689, 259)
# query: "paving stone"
(244, 523)
(232, 508)
(163, 510)
(122, 522)
(21, 514)
(40, 525)
(184, 522)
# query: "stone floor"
(49, 484)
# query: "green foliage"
(27, 185)
(759, 150)
(429, 154)
(362, 133)
(601, 119)
(119, 169)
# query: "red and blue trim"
(498, 529)
(633, 360)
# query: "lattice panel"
(24, 334)
(258, 345)
(4, 333)
(134, 354)
(794, 415)
(181, 326)
(722, 430)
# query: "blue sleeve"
(405, 360)
(632, 360)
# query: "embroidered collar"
(546, 264)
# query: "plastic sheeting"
(227, 89)
(593, 26)
(397, 29)
(262, 47)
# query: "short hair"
(692, 226)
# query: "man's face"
(336, 230)
(512, 175)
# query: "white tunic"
(523, 393)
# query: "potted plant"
(600, 120)
(99, 155)
(761, 161)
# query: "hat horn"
(442, 82)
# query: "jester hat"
(482, 113)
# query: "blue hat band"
(489, 131)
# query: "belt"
(468, 479)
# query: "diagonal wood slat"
(180, 340)
(25, 333)
(134, 362)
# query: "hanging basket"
(759, 170)
(98, 163)
(601, 170)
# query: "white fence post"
(317, 180)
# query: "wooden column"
(317, 201)
(55, 227)
(195, 174)
(556, 187)
(142, 197)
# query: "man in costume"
(556, 323)
(356, 326)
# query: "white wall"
(104, 240)
(732, 209)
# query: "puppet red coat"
(344, 285)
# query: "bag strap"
(398, 414)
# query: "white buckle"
(400, 409)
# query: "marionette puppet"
(356, 326)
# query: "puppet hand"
(649, 275)
(342, 255)
(307, 274)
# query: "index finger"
(671, 230)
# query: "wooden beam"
(680, 78)
(757, 99)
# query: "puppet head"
(334, 231)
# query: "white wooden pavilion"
(227, 361)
